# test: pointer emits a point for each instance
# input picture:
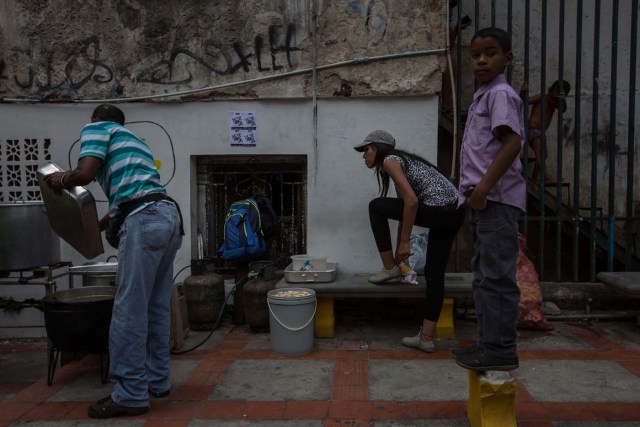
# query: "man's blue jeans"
(139, 352)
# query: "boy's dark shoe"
(107, 408)
(457, 352)
(480, 361)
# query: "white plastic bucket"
(299, 261)
(291, 320)
(318, 263)
(309, 263)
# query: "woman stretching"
(425, 198)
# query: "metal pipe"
(453, 88)
(477, 27)
(594, 316)
(457, 101)
(454, 130)
(631, 130)
(543, 138)
(616, 315)
(493, 13)
(559, 138)
(314, 86)
(527, 30)
(594, 141)
(477, 15)
(612, 131)
(510, 31)
(576, 142)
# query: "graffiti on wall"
(81, 66)
(267, 59)
(86, 63)
(375, 17)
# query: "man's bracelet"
(62, 179)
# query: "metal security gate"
(223, 180)
(586, 221)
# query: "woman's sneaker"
(385, 275)
(415, 342)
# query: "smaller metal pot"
(96, 273)
(98, 280)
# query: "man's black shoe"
(159, 395)
(107, 408)
(481, 361)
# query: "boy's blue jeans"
(495, 290)
(139, 352)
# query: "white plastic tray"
(328, 275)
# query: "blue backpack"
(244, 229)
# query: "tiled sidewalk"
(581, 374)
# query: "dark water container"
(204, 295)
(256, 311)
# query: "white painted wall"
(339, 184)
(338, 201)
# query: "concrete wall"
(126, 48)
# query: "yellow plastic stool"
(492, 397)
(444, 327)
(325, 320)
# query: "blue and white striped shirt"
(127, 170)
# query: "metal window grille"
(223, 180)
(19, 162)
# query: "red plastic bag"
(530, 315)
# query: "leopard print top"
(431, 187)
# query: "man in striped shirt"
(145, 226)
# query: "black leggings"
(443, 223)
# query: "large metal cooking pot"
(27, 241)
(77, 320)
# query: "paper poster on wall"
(242, 128)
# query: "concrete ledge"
(627, 283)
(356, 285)
(575, 295)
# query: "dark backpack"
(268, 216)
(244, 229)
